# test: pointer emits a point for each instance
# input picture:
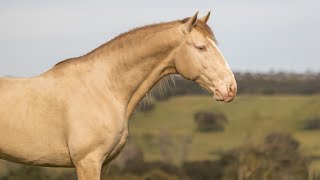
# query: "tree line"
(256, 83)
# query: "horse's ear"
(206, 17)
(188, 26)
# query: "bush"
(129, 160)
(312, 123)
(147, 107)
(124, 176)
(315, 176)
(209, 170)
(158, 174)
(208, 121)
(22, 172)
(276, 158)
(165, 167)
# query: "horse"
(76, 114)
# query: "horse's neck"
(134, 67)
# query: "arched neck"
(134, 65)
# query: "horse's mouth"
(217, 94)
(211, 90)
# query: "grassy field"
(250, 119)
(169, 131)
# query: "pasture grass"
(250, 117)
(163, 132)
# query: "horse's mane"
(159, 90)
(161, 87)
(201, 26)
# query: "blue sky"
(253, 36)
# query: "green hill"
(250, 118)
(168, 132)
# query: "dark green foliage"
(208, 121)
(277, 83)
(185, 87)
(316, 176)
(157, 174)
(36, 173)
(140, 168)
(147, 107)
(276, 158)
(164, 95)
(131, 161)
(312, 123)
(258, 83)
(209, 170)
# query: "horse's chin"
(217, 97)
(220, 98)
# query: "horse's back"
(8, 90)
(31, 120)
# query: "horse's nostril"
(232, 90)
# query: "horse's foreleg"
(89, 168)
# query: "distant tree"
(209, 170)
(209, 121)
(147, 107)
(158, 174)
(312, 123)
(277, 157)
(130, 156)
(166, 146)
(186, 146)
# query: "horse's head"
(199, 59)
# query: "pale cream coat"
(76, 114)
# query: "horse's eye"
(201, 48)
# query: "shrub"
(22, 172)
(210, 170)
(208, 121)
(276, 158)
(157, 174)
(315, 176)
(129, 159)
(312, 123)
(144, 168)
(124, 176)
(165, 167)
(166, 146)
(147, 107)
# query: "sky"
(256, 36)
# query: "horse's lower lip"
(229, 99)
(218, 95)
(223, 99)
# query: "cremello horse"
(76, 114)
